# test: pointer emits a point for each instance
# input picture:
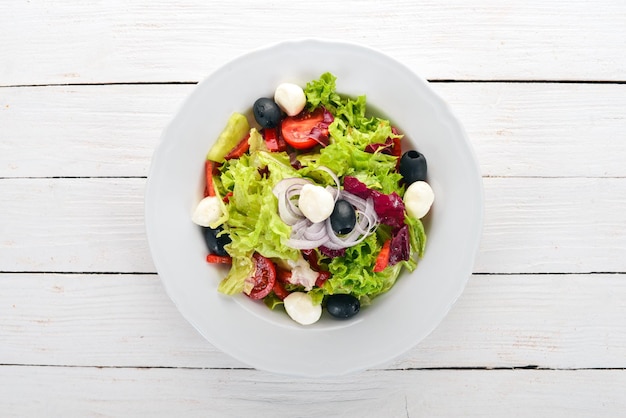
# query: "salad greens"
(252, 217)
(351, 132)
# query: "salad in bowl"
(277, 197)
(313, 203)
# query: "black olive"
(342, 306)
(343, 218)
(215, 244)
(413, 167)
(266, 112)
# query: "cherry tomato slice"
(297, 129)
(263, 278)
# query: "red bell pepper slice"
(311, 257)
(209, 167)
(282, 275)
(274, 140)
(382, 261)
(279, 290)
(396, 148)
(227, 196)
(239, 149)
(218, 259)
(322, 277)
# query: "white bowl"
(269, 340)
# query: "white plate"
(269, 340)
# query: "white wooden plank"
(63, 392)
(84, 131)
(64, 322)
(96, 225)
(77, 42)
(544, 130)
(516, 129)
(102, 320)
(553, 225)
(73, 225)
(548, 321)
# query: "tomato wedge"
(263, 277)
(306, 129)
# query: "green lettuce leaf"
(240, 270)
(354, 272)
(253, 220)
(417, 235)
(322, 92)
(350, 133)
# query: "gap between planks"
(433, 80)
(407, 369)
(154, 273)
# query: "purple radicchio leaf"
(400, 248)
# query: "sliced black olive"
(413, 167)
(343, 218)
(266, 112)
(342, 306)
(216, 244)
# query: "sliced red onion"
(333, 192)
(301, 226)
(282, 186)
(287, 212)
(316, 231)
(334, 177)
(306, 235)
(366, 224)
(284, 190)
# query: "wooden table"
(85, 91)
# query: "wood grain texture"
(73, 42)
(83, 130)
(62, 392)
(500, 321)
(73, 225)
(532, 225)
(557, 225)
(85, 91)
(516, 129)
(543, 130)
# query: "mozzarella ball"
(290, 98)
(418, 199)
(300, 308)
(208, 211)
(315, 202)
